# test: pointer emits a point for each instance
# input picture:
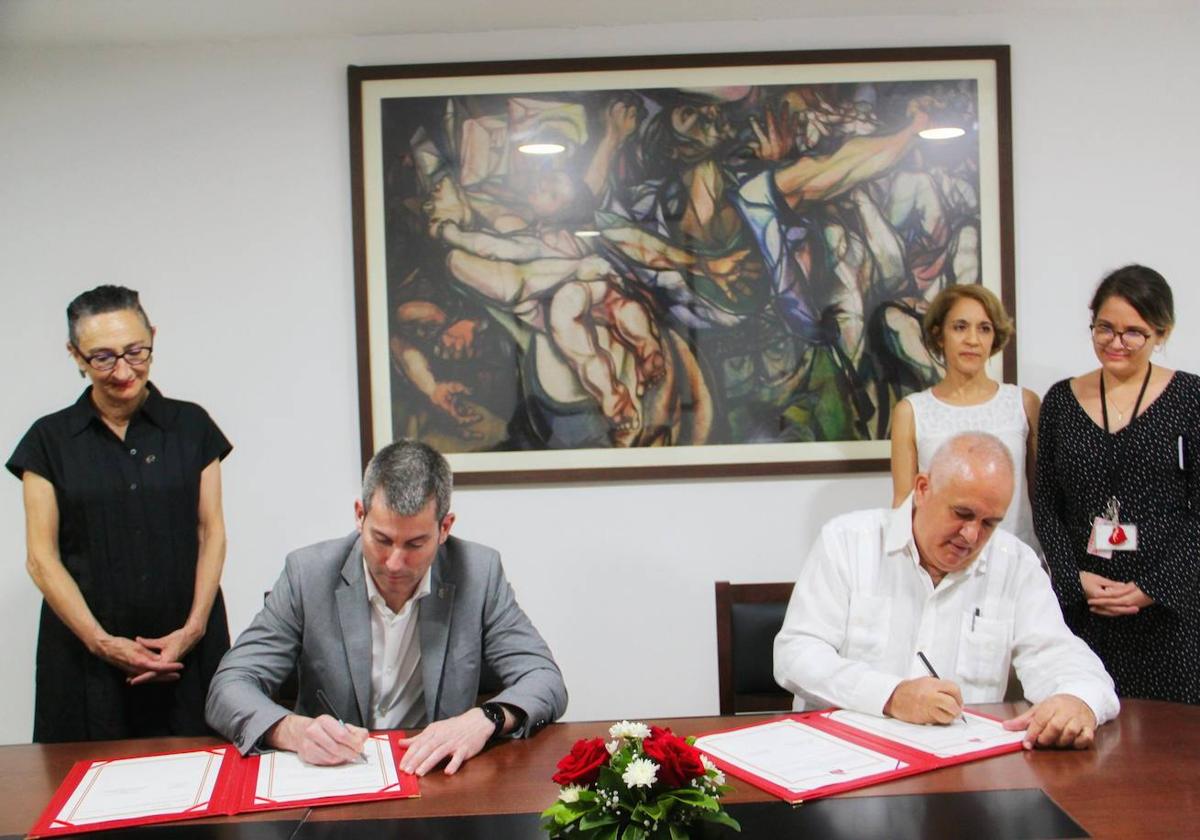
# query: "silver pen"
(329, 710)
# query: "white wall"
(215, 179)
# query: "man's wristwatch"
(495, 713)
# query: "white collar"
(899, 535)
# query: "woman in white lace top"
(965, 326)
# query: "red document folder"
(227, 785)
(909, 760)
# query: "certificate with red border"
(815, 754)
(216, 781)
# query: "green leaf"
(722, 818)
(610, 778)
(633, 832)
(679, 832)
(564, 813)
(560, 813)
(591, 821)
(653, 810)
(692, 796)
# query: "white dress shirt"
(397, 690)
(863, 607)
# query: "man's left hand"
(1061, 720)
(458, 738)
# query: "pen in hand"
(329, 710)
(929, 667)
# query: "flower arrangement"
(646, 783)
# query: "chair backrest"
(748, 617)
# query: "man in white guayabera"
(889, 598)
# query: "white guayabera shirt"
(863, 607)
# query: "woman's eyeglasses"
(1131, 339)
(105, 361)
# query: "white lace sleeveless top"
(1003, 416)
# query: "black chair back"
(748, 617)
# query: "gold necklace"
(1113, 405)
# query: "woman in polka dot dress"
(1125, 439)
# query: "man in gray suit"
(394, 625)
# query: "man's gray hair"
(409, 473)
(967, 451)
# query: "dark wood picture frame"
(403, 226)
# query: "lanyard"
(1136, 405)
(1114, 473)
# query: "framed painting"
(668, 266)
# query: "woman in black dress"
(125, 538)
(1119, 447)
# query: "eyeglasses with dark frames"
(1131, 339)
(105, 361)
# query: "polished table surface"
(1142, 778)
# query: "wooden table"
(1142, 778)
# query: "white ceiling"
(127, 22)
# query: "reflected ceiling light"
(948, 132)
(586, 233)
(542, 148)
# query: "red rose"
(582, 765)
(678, 762)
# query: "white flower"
(714, 774)
(641, 772)
(570, 793)
(612, 746)
(625, 729)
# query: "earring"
(82, 374)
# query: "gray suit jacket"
(317, 620)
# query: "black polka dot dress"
(1155, 653)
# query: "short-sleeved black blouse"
(128, 520)
(1155, 653)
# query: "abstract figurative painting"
(666, 266)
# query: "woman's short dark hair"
(99, 301)
(1144, 289)
(935, 316)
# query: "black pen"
(929, 667)
(332, 712)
